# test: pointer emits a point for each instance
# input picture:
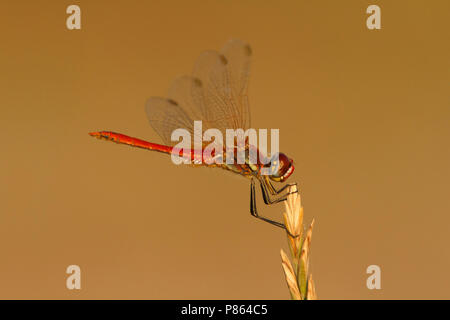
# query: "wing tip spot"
(173, 102)
(248, 50)
(198, 82)
(223, 59)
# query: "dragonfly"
(217, 94)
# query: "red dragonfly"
(216, 94)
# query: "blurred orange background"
(364, 113)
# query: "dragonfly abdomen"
(134, 142)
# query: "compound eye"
(281, 167)
(285, 164)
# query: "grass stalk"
(298, 276)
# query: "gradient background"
(365, 115)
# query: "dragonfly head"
(281, 167)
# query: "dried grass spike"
(299, 280)
(311, 293)
(291, 279)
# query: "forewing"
(222, 101)
(216, 94)
(238, 54)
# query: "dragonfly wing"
(182, 90)
(223, 100)
(215, 93)
(238, 54)
(166, 115)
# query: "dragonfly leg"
(275, 191)
(266, 188)
(254, 211)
